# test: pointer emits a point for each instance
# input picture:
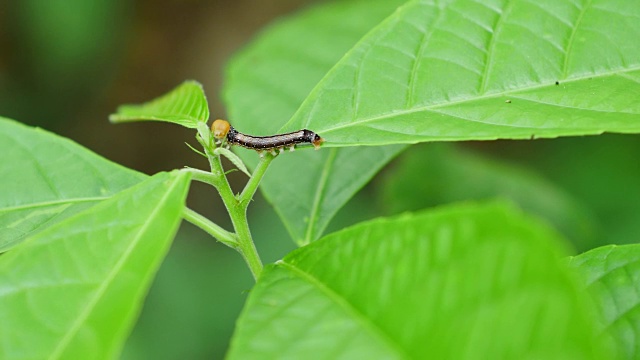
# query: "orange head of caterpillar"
(313, 138)
(317, 140)
(220, 129)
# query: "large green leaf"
(267, 82)
(462, 282)
(437, 173)
(463, 69)
(612, 274)
(74, 290)
(45, 178)
(185, 105)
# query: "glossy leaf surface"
(185, 105)
(74, 290)
(469, 70)
(268, 81)
(45, 178)
(459, 282)
(612, 274)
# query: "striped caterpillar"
(222, 131)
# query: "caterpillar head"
(313, 138)
(220, 128)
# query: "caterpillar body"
(223, 131)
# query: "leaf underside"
(451, 70)
(467, 70)
(268, 81)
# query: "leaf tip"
(114, 118)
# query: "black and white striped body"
(274, 142)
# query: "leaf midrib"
(359, 317)
(433, 106)
(52, 203)
(319, 197)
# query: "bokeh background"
(65, 65)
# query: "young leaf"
(233, 158)
(469, 70)
(269, 80)
(461, 282)
(74, 290)
(46, 178)
(185, 105)
(438, 173)
(612, 274)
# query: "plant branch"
(238, 215)
(252, 185)
(211, 228)
(201, 176)
(236, 206)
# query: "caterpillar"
(222, 131)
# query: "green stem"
(238, 214)
(211, 228)
(252, 185)
(201, 176)
(245, 243)
(236, 205)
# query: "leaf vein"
(433, 106)
(497, 29)
(320, 190)
(339, 300)
(417, 61)
(562, 106)
(572, 38)
(52, 203)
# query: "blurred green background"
(65, 65)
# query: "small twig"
(211, 228)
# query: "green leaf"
(436, 174)
(185, 105)
(46, 178)
(307, 205)
(267, 82)
(461, 282)
(469, 70)
(74, 290)
(235, 160)
(612, 274)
